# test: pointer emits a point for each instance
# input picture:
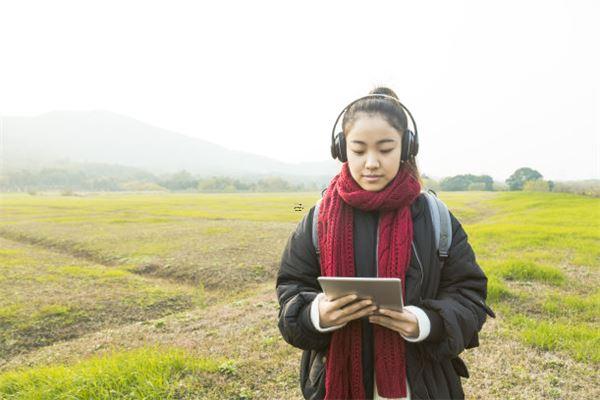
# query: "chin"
(372, 187)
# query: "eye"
(358, 152)
(386, 150)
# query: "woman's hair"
(391, 111)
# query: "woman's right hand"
(338, 311)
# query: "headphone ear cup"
(338, 147)
(406, 144)
(342, 147)
(410, 147)
(415, 149)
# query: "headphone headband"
(385, 96)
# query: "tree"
(181, 180)
(430, 183)
(520, 176)
(222, 184)
(273, 184)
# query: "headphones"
(410, 140)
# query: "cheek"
(354, 162)
(354, 166)
(392, 165)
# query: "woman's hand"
(405, 322)
(340, 311)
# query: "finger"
(390, 324)
(342, 301)
(397, 315)
(383, 321)
(386, 321)
(351, 309)
(359, 314)
(358, 305)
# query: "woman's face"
(373, 149)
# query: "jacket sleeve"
(297, 287)
(459, 311)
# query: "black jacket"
(452, 296)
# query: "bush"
(499, 186)
(537, 185)
(138, 186)
(476, 186)
(589, 187)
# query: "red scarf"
(344, 377)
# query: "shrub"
(537, 185)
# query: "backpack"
(440, 216)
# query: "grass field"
(172, 296)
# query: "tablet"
(385, 292)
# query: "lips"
(371, 178)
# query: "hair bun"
(384, 90)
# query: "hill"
(105, 137)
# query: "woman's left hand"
(405, 322)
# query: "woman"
(373, 221)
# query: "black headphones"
(410, 141)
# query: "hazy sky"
(494, 86)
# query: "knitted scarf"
(344, 378)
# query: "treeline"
(467, 182)
(117, 178)
(522, 179)
(103, 177)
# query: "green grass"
(520, 270)
(232, 232)
(145, 373)
(581, 340)
(541, 227)
(155, 208)
(497, 290)
(528, 239)
(585, 309)
(98, 274)
(75, 260)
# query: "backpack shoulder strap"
(442, 226)
(315, 224)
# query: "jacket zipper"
(420, 267)
(426, 391)
(377, 248)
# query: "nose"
(372, 161)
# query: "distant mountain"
(105, 137)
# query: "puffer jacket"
(452, 295)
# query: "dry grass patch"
(47, 297)
(262, 366)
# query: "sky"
(493, 86)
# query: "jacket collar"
(418, 206)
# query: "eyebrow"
(379, 142)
